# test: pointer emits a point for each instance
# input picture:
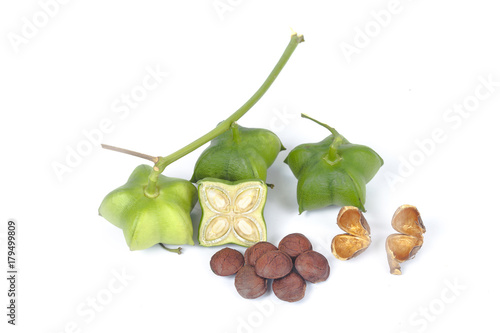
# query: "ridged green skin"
(247, 155)
(149, 221)
(323, 182)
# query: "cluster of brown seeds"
(289, 265)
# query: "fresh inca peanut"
(312, 266)
(248, 284)
(256, 251)
(357, 237)
(273, 265)
(290, 288)
(295, 244)
(404, 246)
(226, 262)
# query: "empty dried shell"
(357, 237)
(404, 246)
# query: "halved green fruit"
(232, 212)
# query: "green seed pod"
(148, 221)
(332, 171)
(238, 154)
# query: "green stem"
(236, 133)
(332, 130)
(163, 162)
(333, 157)
(177, 250)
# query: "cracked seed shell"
(404, 246)
(357, 237)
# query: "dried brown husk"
(357, 237)
(404, 246)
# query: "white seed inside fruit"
(247, 200)
(217, 228)
(247, 229)
(218, 199)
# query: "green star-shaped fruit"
(147, 221)
(332, 171)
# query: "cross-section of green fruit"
(232, 212)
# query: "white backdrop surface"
(417, 81)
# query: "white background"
(68, 75)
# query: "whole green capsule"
(332, 171)
(147, 221)
(238, 154)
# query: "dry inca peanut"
(312, 266)
(290, 288)
(226, 262)
(404, 246)
(248, 284)
(295, 244)
(273, 265)
(256, 251)
(357, 237)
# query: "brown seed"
(295, 244)
(248, 284)
(256, 251)
(290, 288)
(273, 265)
(226, 262)
(312, 266)
(404, 246)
